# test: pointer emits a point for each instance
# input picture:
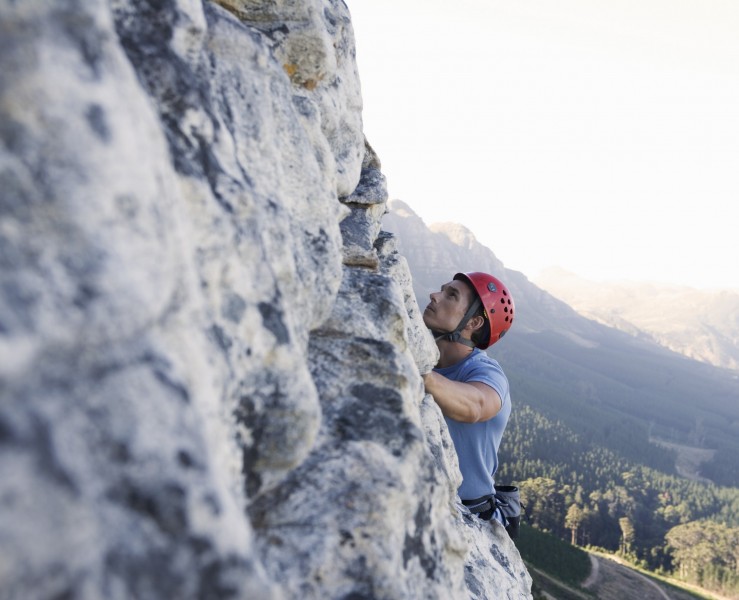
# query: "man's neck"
(450, 353)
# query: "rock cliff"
(210, 354)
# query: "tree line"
(590, 495)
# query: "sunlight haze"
(599, 136)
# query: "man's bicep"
(492, 403)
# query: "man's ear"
(475, 323)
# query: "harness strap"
(456, 335)
(480, 504)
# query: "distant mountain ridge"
(609, 386)
(439, 250)
(698, 324)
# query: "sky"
(600, 136)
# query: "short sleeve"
(488, 372)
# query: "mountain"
(699, 324)
(606, 384)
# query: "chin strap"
(456, 335)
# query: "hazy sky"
(601, 136)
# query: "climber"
(469, 314)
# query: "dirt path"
(655, 586)
(611, 578)
(617, 578)
(594, 572)
(592, 579)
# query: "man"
(469, 314)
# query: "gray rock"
(366, 205)
(209, 357)
(313, 40)
(369, 501)
(420, 341)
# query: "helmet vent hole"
(506, 318)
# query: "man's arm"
(466, 402)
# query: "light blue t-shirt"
(477, 443)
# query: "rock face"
(210, 354)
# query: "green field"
(567, 563)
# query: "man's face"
(447, 306)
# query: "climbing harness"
(507, 500)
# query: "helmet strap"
(456, 335)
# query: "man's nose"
(432, 296)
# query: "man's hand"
(465, 402)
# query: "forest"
(619, 395)
(589, 495)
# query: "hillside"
(703, 325)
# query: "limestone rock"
(314, 42)
(366, 203)
(209, 354)
(420, 340)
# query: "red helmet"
(497, 302)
